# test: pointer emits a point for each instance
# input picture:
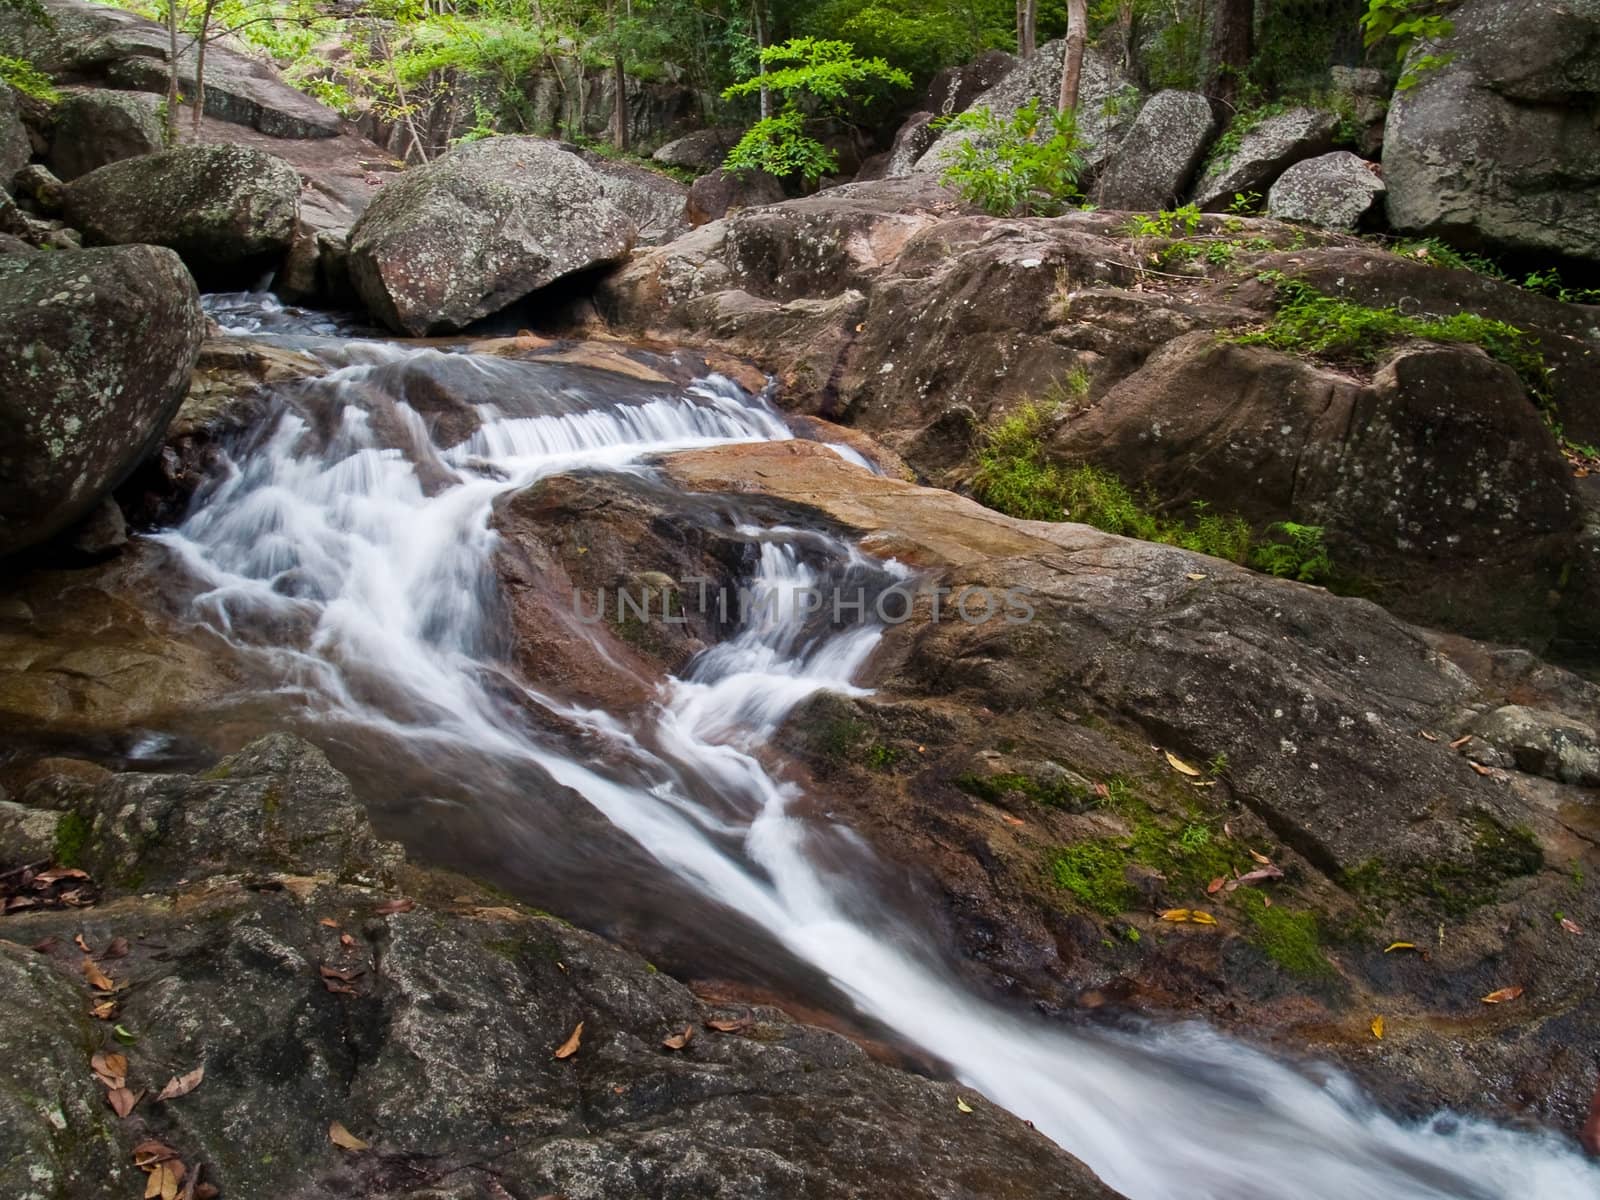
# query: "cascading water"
(351, 555)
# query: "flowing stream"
(348, 553)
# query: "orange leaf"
(1215, 885)
(1503, 995)
(679, 1040)
(122, 1100)
(1377, 1028)
(1178, 765)
(344, 1139)
(96, 977)
(570, 1046)
(402, 905)
(77, 940)
(329, 922)
(182, 1085)
(1261, 858)
(737, 1025)
(1479, 768)
(1176, 914)
(104, 1010)
(1461, 741)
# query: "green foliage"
(1093, 871)
(814, 78)
(1024, 165)
(1230, 139)
(1548, 283)
(27, 79)
(1309, 322)
(881, 757)
(1015, 477)
(1456, 887)
(921, 35)
(1299, 553)
(71, 839)
(1245, 204)
(1166, 223)
(1290, 938)
(1297, 39)
(1406, 23)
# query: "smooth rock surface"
(96, 127)
(1263, 153)
(1154, 164)
(1331, 191)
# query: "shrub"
(27, 79)
(1300, 554)
(1024, 165)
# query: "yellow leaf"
(1503, 995)
(1176, 914)
(1377, 1028)
(1393, 946)
(1178, 765)
(344, 1139)
(1202, 918)
(1261, 858)
(1194, 576)
(570, 1046)
(962, 1105)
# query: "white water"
(370, 590)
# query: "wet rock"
(719, 192)
(435, 1042)
(15, 148)
(76, 40)
(93, 128)
(96, 347)
(229, 211)
(701, 151)
(1263, 153)
(1544, 743)
(469, 233)
(1498, 147)
(103, 531)
(1331, 191)
(1154, 164)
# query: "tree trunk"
(170, 118)
(200, 65)
(619, 113)
(1229, 52)
(757, 8)
(1027, 28)
(1072, 69)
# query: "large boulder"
(911, 142)
(1107, 101)
(96, 347)
(1250, 162)
(953, 89)
(719, 192)
(229, 211)
(654, 202)
(96, 127)
(452, 241)
(1331, 191)
(15, 149)
(75, 40)
(1499, 147)
(700, 151)
(1153, 166)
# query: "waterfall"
(350, 552)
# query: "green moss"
(1290, 938)
(882, 758)
(1093, 871)
(72, 837)
(993, 788)
(1456, 888)
(837, 737)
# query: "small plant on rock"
(1297, 552)
(1028, 164)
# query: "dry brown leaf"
(1377, 1028)
(1432, 737)
(345, 975)
(110, 1067)
(1178, 765)
(1010, 820)
(346, 940)
(164, 1181)
(403, 905)
(329, 922)
(97, 978)
(1259, 875)
(1479, 768)
(1261, 858)
(1570, 925)
(104, 1010)
(339, 989)
(77, 940)
(1266, 902)
(734, 1025)
(570, 1046)
(1461, 741)
(45, 945)
(182, 1085)
(679, 1040)
(118, 948)
(122, 1100)
(344, 1139)
(1215, 885)
(150, 1152)
(1502, 996)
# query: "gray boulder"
(78, 40)
(1107, 102)
(42, 233)
(1263, 153)
(96, 347)
(653, 201)
(465, 235)
(1366, 93)
(229, 211)
(1331, 191)
(15, 150)
(715, 195)
(1543, 743)
(1155, 163)
(1499, 148)
(954, 89)
(96, 127)
(700, 151)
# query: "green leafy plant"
(1297, 552)
(815, 78)
(1166, 223)
(1024, 165)
(1548, 282)
(27, 79)
(1245, 204)
(1406, 23)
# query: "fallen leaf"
(56, 873)
(1178, 765)
(1431, 737)
(1194, 576)
(1266, 902)
(1377, 1028)
(45, 945)
(1393, 946)
(962, 1105)
(1259, 875)
(679, 1040)
(122, 1035)
(118, 948)
(344, 1139)
(570, 1046)
(122, 1100)
(346, 975)
(346, 940)
(1261, 858)
(1215, 885)
(1570, 925)
(182, 1085)
(1461, 741)
(104, 1010)
(339, 989)
(150, 1152)
(1479, 768)
(1176, 914)
(402, 905)
(96, 977)
(1202, 918)
(77, 940)
(1503, 995)
(110, 1067)
(1010, 820)
(736, 1025)
(329, 922)
(164, 1181)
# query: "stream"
(347, 556)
